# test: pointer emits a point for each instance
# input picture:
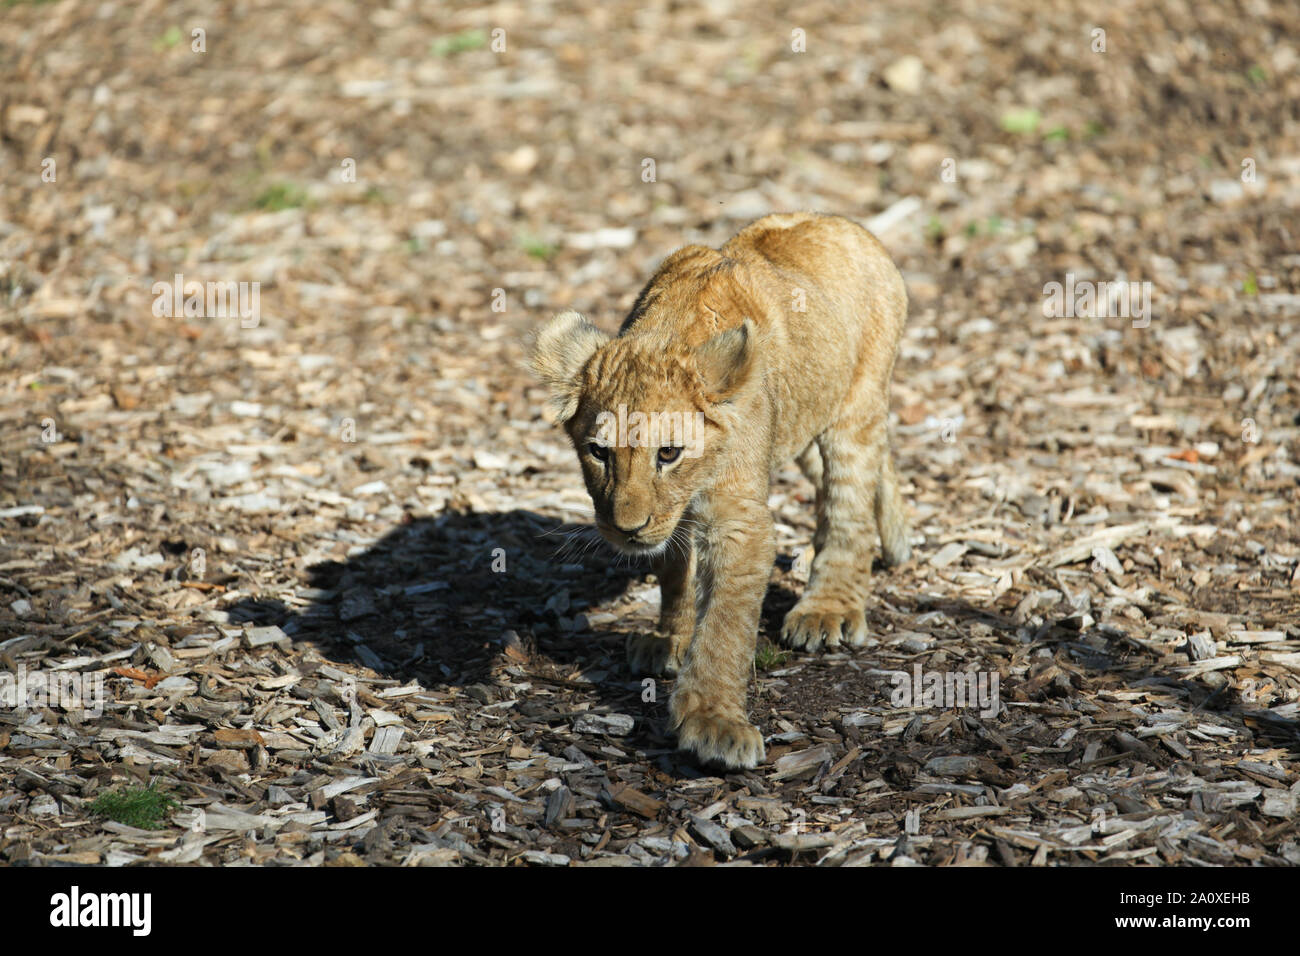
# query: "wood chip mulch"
(334, 571)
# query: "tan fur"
(721, 332)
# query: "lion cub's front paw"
(655, 654)
(733, 743)
(814, 623)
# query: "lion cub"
(779, 345)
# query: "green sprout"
(279, 197)
(169, 39)
(1021, 120)
(768, 657)
(537, 248)
(459, 42)
(144, 808)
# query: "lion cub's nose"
(631, 532)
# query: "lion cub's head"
(647, 415)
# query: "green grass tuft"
(169, 39)
(144, 808)
(1021, 120)
(537, 248)
(280, 196)
(459, 42)
(769, 657)
(989, 227)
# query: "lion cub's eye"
(597, 451)
(669, 454)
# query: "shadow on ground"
(436, 599)
(433, 600)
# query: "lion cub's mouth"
(639, 544)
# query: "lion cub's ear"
(560, 350)
(725, 362)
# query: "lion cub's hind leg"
(663, 653)
(810, 463)
(890, 517)
(851, 455)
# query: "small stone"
(43, 806)
(1201, 646)
(615, 725)
(1020, 252)
(603, 239)
(913, 642)
(520, 161)
(904, 75)
(489, 460)
(1226, 191)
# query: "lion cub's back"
(850, 294)
(828, 248)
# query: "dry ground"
(330, 565)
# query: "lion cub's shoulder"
(694, 295)
(810, 242)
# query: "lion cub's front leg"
(707, 707)
(663, 653)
